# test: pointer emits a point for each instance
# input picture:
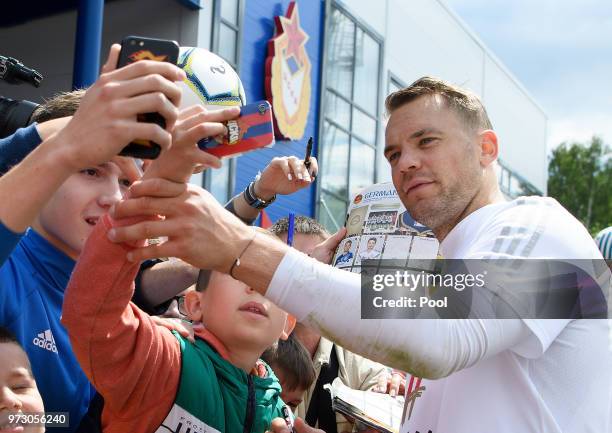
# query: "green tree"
(580, 178)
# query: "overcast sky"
(561, 51)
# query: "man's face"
(347, 247)
(371, 244)
(238, 315)
(18, 391)
(74, 209)
(434, 160)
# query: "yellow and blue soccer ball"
(211, 81)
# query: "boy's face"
(238, 315)
(18, 392)
(371, 244)
(291, 397)
(74, 209)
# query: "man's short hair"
(373, 239)
(302, 224)
(293, 359)
(61, 105)
(465, 103)
(348, 242)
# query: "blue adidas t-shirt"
(32, 284)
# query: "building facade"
(359, 51)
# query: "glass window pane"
(515, 187)
(219, 182)
(364, 126)
(332, 212)
(366, 72)
(229, 10)
(338, 110)
(334, 162)
(340, 53)
(363, 161)
(227, 43)
(394, 86)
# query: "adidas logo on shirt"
(45, 340)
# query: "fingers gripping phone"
(252, 130)
(133, 49)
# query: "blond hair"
(62, 104)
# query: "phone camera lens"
(132, 42)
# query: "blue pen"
(290, 229)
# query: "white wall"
(423, 37)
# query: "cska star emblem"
(288, 76)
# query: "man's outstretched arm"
(202, 233)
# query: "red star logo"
(295, 35)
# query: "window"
(351, 118)
(227, 15)
(512, 184)
(227, 19)
(395, 84)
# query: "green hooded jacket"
(216, 396)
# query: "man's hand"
(393, 383)
(197, 226)
(280, 426)
(106, 120)
(285, 175)
(324, 252)
(184, 328)
(194, 123)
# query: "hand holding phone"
(133, 49)
(252, 130)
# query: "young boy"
(18, 391)
(36, 273)
(292, 365)
(166, 382)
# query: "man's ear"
(489, 148)
(193, 305)
(289, 325)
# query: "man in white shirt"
(469, 376)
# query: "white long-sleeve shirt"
(489, 375)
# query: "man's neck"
(477, 202)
